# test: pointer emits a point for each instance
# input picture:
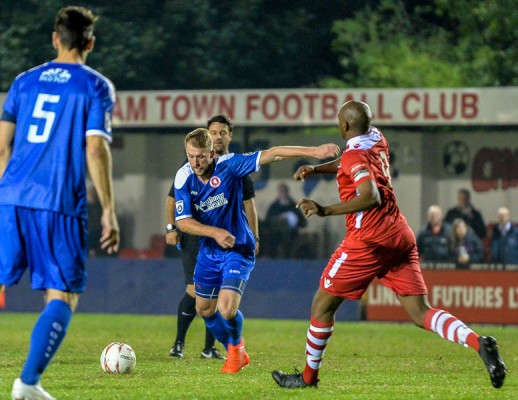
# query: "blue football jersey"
(219, 202)
(54, 106)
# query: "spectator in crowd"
(504, 239)
(466, 247)
(283, 220)
(465, 210)
(433, 240)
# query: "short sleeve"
(100, 113)
(356, 165)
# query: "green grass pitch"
(364, 360)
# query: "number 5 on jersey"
(49, 117)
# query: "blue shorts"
(54, 246)
(222, 269)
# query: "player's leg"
(206, 301)
(323, 310)
(58, 265)
(347, 275)
(236, 271)
(187, 305)
(48, 333)
(407, 281)
(228, 305)
(451, 328)
(185, 315)
(207, 283)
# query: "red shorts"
(394, 260)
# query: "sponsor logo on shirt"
(56, 75)
(212, 203)
(194, 192)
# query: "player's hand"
(328, 150)
(225, 239)
(310, 207)
(110, 237)
(303, 172)
(172, 238)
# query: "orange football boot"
(237, 359)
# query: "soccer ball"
(118, 358)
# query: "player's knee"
(227, 312)
(72, 299)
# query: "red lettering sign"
(473, 296)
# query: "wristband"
(170, 228)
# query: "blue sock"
(47, 334)
(234, 328)
(216, 324)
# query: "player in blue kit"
(56, 121)
(209, 203)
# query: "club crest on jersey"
(215, 181)
(179, 206)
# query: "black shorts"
(190, 245)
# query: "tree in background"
(440, 44)
(229, 44)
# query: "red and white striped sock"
(319, 334)
(450, 328)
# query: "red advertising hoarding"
(472, 296)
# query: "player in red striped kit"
(378, 243)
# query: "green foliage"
(184, 44)
(486, 37)
(229, 44)
(440, 44)
(388, 47)
(363, 361)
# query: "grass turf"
(363, 361)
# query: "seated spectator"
(465, 210)
(283, 221)
(433, 240)
(466, 247)
(504, 240)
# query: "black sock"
(186, 313)
(209, 340)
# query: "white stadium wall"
(144, 168)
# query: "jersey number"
(48, 116)
(385, 168)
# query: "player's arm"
(368, 197)
(282, 152)
(304, 171)
(99, 161)
(6, 138)
(224, 238)
(172, 236)
(253, 221)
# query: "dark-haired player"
(56, 120)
